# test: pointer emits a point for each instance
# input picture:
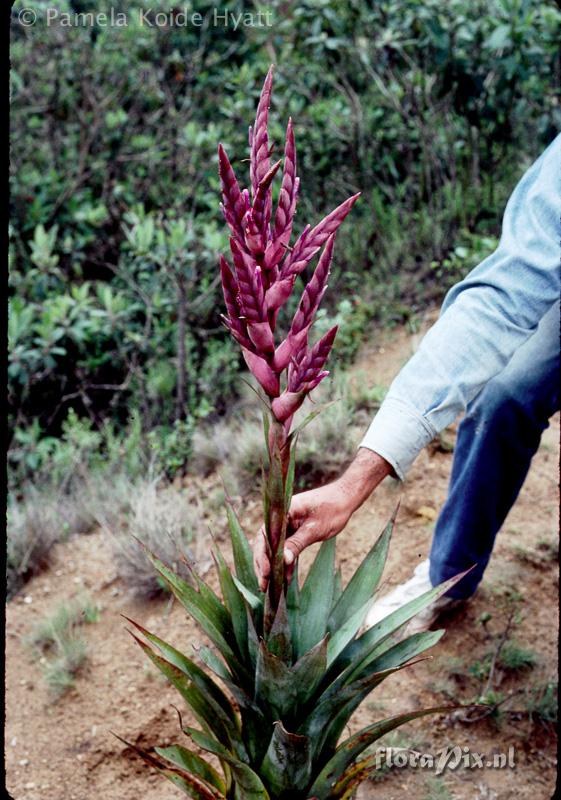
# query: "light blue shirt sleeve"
(483, 320)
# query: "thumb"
(306, 535)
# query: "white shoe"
(414, 587)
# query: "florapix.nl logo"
(450, 757)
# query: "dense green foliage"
(432, 110)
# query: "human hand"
(319, 514)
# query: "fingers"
(306, 535)
(261, 560)
(300, 508)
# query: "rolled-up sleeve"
(484, 319)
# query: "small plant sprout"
(289, 666)
(57, 642)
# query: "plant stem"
(276, 515)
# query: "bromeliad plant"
(289, 666)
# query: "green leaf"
(290, 475)
(316, 598)
(207, 711)
(275, 688)
(253, 720)
(337, 585)
(216, 624)
(191, 785)
(308, 673)
(279, 640)
(347, 631)
(348, 751)
(266, 427)
(287, 763)
(364, 582)
(249, 783)
(254, 601)
(331, 704)
(213, 662)
(396, 656)
(243, 556)
(293, 606)
(500, 38)
(235, 605)
(359, 652)
(193, 763)
(212, 601)
(358, 772)
(199, 677)
(311, 416)
(401, 652)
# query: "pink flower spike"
(279, 292)
(234, 205)
(252, 235)
(289, 349)
(288, 196)
(285, 405)
(261, 335)
(230, 290)
(306, 371)
(314, 291)
(263, 202)
(268, 379)
(310, 242)
(259, 155)
(250, 287)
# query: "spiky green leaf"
(275, 688)
(347, 631)
(191, 785)
(255, 601)
(293, 606)
(334, 702)
(235, 605)
(193, 763)
(308, 673)
(316, 598)
(360, 651)
(249, 783)
(364, 582)
(337, 585)
(216, 624)
(287, 763)
(241, 549)
(199, 677)
(396, 656)
(347, 752)
(399, 653)
(279, 640)
(266, 413)
(213, 662)
(209, 713)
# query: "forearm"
(367, 470)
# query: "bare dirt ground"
(64, 750)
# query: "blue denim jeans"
(496, 441)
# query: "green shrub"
(432, 110)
